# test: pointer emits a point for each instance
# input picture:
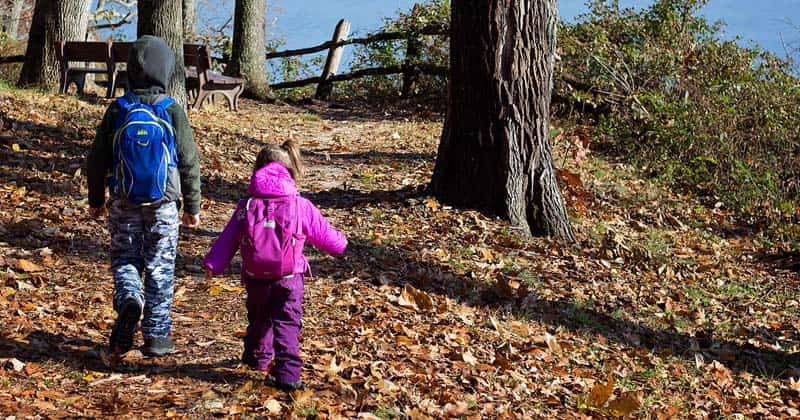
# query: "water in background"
(311, 22)
(305, 23)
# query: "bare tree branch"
(113, 25)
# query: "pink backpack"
(272, 237)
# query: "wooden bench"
(119, 55)
(203, 82)
(84, 52)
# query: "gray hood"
(150, 64)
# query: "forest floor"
(663, 309)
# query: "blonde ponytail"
(287, 154)
(293, 149)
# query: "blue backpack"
(144, 150)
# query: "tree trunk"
(495, 151)
(249, 48)
(14, 15)
(164, 19)
(189, 19)
(53, 21)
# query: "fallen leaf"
(415, 299)
(28, 266)
(552, 343)
(387, 387)
(431, 203)
(302, 396)
(132, 356)
(469, 358)
(273, 407)
(458, 409)
(416, 414)
(214, 290)
(794, 385)
(502, 361)
(235, 410)
(213, 405)
(246, 387)
(624, 405)
(721, 373)
(601, 392)
(23, 285)
(44, 405)
(112, 378)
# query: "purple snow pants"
(275, 313)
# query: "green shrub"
(433, 49)
(697, 112)
(707, 115)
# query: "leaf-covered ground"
(663, 309)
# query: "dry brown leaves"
(435, 312)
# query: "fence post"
(410, 70)
(413, 48)
(325, 87)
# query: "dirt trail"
(435, 312)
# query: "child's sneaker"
(158, 346)
(122, 334)
(285, 386)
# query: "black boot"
(285, 386)
(122, 334)
(158, 346)
(249, 360)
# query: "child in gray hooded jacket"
(144, 237)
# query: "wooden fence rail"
(410, 69)
(12, 59)
(430, 69)
(383, 36)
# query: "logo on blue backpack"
(144, 150)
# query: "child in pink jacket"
(269, 227)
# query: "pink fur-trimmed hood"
(273, 180)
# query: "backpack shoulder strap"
(127, 100)
(124, 103)
(297, 214)
(165, 102)
(297, 202)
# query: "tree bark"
(495, 152)
(14, 15)
(189, 19)
(53, 21)
(164, 19)
(249, 48)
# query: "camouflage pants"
(144, 240)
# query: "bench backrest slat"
(120, 51)
(196, 55)
(98, 52)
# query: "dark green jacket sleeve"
(99, 160)
(188, 160)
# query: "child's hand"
(190, 220)
(209, 274)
